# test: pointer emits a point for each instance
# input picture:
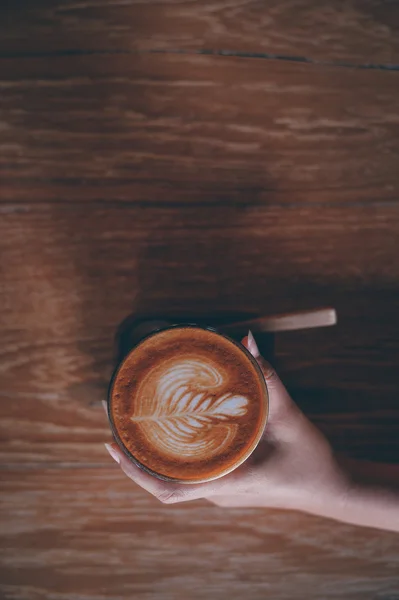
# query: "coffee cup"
(188, 404)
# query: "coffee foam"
(188, 403)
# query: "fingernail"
(113, 453)
(252, 345)
(105, 407)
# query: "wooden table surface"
(193, 157)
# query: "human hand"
(292, 467)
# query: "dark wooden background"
(192, 156)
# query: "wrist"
(330, 493)
(365, 494)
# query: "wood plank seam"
(206, 52)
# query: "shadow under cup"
(185, 438)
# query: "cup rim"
(251, 448)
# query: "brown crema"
(188, 404)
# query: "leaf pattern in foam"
(178, 421)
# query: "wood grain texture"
(358, 31)
(137, 175)
(89, 534)
(192, 129)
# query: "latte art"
(188, 404)
(179, 419)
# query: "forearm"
(370, 498)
